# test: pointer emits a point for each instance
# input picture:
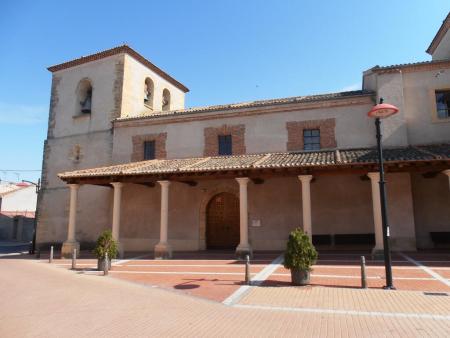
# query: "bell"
(86, 105)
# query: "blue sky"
(223, 51)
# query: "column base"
(163, 251)
(120, 250)
(378, 253)
(67, 249)
(243, 250)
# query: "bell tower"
(87, 94)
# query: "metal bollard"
(50, 259)
(363, 273)
(74, 259)
(247, 270)
(106, 265)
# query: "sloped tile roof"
(439, 35)
(114, 51)
(252, 104)
(417, 65)
(268, 160)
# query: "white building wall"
(263, 133)
(133, 90)
(23, 199)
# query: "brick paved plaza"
(185, 296)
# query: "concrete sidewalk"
(41, 300)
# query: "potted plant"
(300, 255)
(105, 244)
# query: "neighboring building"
(241, 176)
(17, 209)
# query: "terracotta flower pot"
(299, 277)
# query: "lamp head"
(382, 110)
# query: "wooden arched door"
(222, 222)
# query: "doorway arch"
(222, 221)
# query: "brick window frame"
(295, 133)
(138, 146)
(237, 132)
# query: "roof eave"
(439, 35)
(115, 51)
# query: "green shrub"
(300, 253)
(106, 244)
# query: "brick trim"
(138, 146)
(237, 133)
(295, 133)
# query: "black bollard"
(363, 273)
(247, 270)
(74, 259)
(106, 265)
(50, 259)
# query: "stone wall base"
(67, 249)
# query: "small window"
(149, 150)
(443, 104)
(311, 139)
(225, 145)
(166, 100)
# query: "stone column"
(71, 243)
(376, 204)
(244, 247)
(306, 203)
(163, 249)
(116, 215)
(447, 172)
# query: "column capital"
(446, 172)
(305, 178)
(73, 186)
(117, 185)
(374, 175)
(164, 183)
(242, 180)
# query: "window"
(311, 139)
(443, 104)
(225, 145)
(149, 150)
(148, 92)
(166, 100)
(84, 94)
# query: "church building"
(123, 153)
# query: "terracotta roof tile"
(251, 104)
(418, 65)
(268, 160)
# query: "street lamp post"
(33, 243)
(380, 111)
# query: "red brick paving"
(216, 275)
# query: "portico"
(164, 211)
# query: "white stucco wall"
(264, 133)
(133, 90)
(23, 199)
(442, 51)
(102, 74)
(420, 107)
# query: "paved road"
(42, 300)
